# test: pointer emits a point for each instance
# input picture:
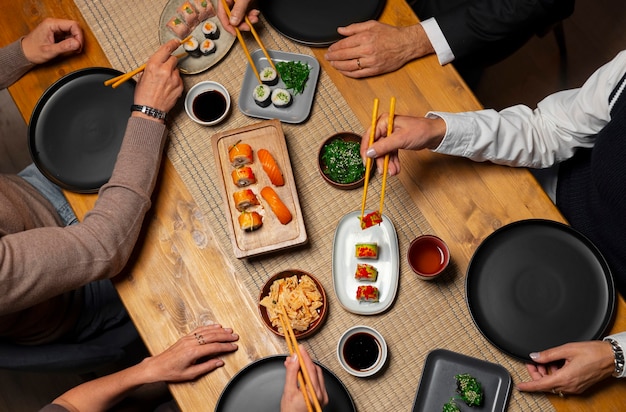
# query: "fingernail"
(294, 357)
(219, 362)
(534, 355)
(371, 152)
(233, 20)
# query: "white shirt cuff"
(438, 40)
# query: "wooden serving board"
(272, 235)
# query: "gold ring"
(358, 63)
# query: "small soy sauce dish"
(362, 351)
(207, 103)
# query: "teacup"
(428, 256)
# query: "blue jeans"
(102, 307)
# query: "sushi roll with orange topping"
(210, 30)
(192, 47)
(178, 27)
(250, 221)
(244, 199)
(278, 207)
(243, 176)
(366, 272)
(367, 293)
(366, 251)
(240, 154)
(271, 167)
(207, 47)
(189, 14)
(204, 8)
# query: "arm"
(183, 361)
(41, 263)
(292, 399)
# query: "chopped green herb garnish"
(343, 161)
(294, 75)
(470, 390)
(451, 406)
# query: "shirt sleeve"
(620, 338)
(539, 138)
(438, 40)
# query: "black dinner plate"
(77, 127)
(315, 22)
(259, 386)
(535, 284)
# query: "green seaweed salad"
(343, 161)
(293, 74)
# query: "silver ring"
(358, 63)
(199, 338)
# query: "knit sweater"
(42, 263)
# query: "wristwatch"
(150, 111)
(619, 357)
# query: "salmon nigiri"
(271, 167)
(240, 154)
(278, 207)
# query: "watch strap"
(619, 357)
(150, 111)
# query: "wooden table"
(483, 198)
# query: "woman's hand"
(52, 38)
(293, 400)
(237, 15)
(584, 364)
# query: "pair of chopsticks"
(245, 48)
(117, 81)
(368, 162)
(304, 379)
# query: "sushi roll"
(240, 154)
(366, 250)
(210, 30)
(178, 27)
(204, 8)
(269, 76)
(192, 47)
(207, 47)
(367, 293)
(189, 14)
(281, 98)
(366, 272)
(243, 176)
(250, 221)
(262, 95)
(244, 199)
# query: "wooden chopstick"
(243, 44)
(259, 41)
(392, 108)
(292, 344)
(368, 162)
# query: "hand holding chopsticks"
(307, 376)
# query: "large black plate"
(438, 384)
(315, 22)
(535, 284)
(77, 127)
(259, 386)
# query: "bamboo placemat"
(425, 315)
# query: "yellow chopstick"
(292, 343)
(392, 108)
(243, 44)
(258, 40)
(291, 351)
(368, 162)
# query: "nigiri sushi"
(244, 199)
(243, 176)
(278, 207)
(240, 154)
(271, 167)
(250, 221)
(367, 293)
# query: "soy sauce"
(209, 106)
(361, 351)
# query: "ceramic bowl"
(428, 256)
(322, 311)
(323, 167)
(207, 103)
(362, 351)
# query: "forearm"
(13, 64)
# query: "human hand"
(411, 133)
(371, 48)
(52, 38)
(192, 355)
(585, 363)
(160, 85)
(292, 399)
(237, 15)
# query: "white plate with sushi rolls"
(366, 267)
(209, 42)
(273, 99)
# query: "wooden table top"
(484, 198)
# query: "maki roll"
(178, 27)
(207, 47)
(269, 76)
(250, 221)
(204, 8)
(210, 30)
(367, 294)
(240, 154)
(244, 199)
(366, 272)
(192, 47)
(188, 13)
(243, 176)
(281, 98)
(262, 95)
(366, 250)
